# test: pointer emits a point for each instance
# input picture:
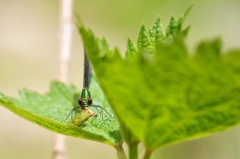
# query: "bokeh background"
(29, 33)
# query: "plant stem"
(133, 150)
(147, 154)
(120, 152)
(59, 150)
(65, 40)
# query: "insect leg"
(98, 106)
(72, 112)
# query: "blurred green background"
(29, 52)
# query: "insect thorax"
(85, 99)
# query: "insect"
(85, 101)
(81, 116)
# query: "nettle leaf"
(147, 40)
(131, 50)
(173, 97)
(230, 58)
(51, 109)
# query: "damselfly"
(85, 100)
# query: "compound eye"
(89, 101)
(80, 102)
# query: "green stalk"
(147, 154)
(133, 150)
(120, 152)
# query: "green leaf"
(147, 40)
(173, 98)
(51, 109)
(143, 40)
(157, 31)
(231, 60)
(173, 28)
(131, 50)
